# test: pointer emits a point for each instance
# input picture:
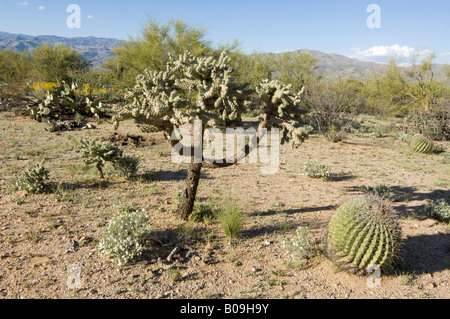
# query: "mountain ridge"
(331, 66)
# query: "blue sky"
(407, 27)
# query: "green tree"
(60, 63)
(16, 70)
(386, 93)
(253, 68)
(295, 68)
(153, 48)
(422, 87)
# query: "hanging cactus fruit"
(420, 144)
(363, 233)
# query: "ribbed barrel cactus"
(420, 144)
(363, 233)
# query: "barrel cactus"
(362, 233)
(420, 144)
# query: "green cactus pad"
(421, 144)
(363, 232)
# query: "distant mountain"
(98, 50)
(335, 66)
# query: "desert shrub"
(126, 166)
(433, 122)
(438, 210)
(16, 69)
(33, 180)
(126, 237)
(316, 169)
(231, 218)
(404, 137)
(59, 63)
(363, 232)
(300, 246)
(332, 108)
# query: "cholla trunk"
(100, 170)
(187, 200)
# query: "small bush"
(33, 180)
(404, 137)
(315, 169)
(438, 210)
(126, 237)
(127, 166)
(203, 213)
(300, 246)
(231, 219)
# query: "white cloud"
(41, 8)
(22, 3)
(90, 16)
(393, 51)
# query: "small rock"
(93, 291)
(433, 285)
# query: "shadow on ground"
(294, 211)
(400, 196)
(168, 176)
(426, 254)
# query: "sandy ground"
(41, 236)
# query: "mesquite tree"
(202, 89)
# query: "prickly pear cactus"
(363, 232)
(66, 101)
(420, 144)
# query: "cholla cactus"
(190, 87)
(282, 109)
(66, 101)
(202, 88)
(94, 151)
(126, 237)
(33, 180)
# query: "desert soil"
(42, 235)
